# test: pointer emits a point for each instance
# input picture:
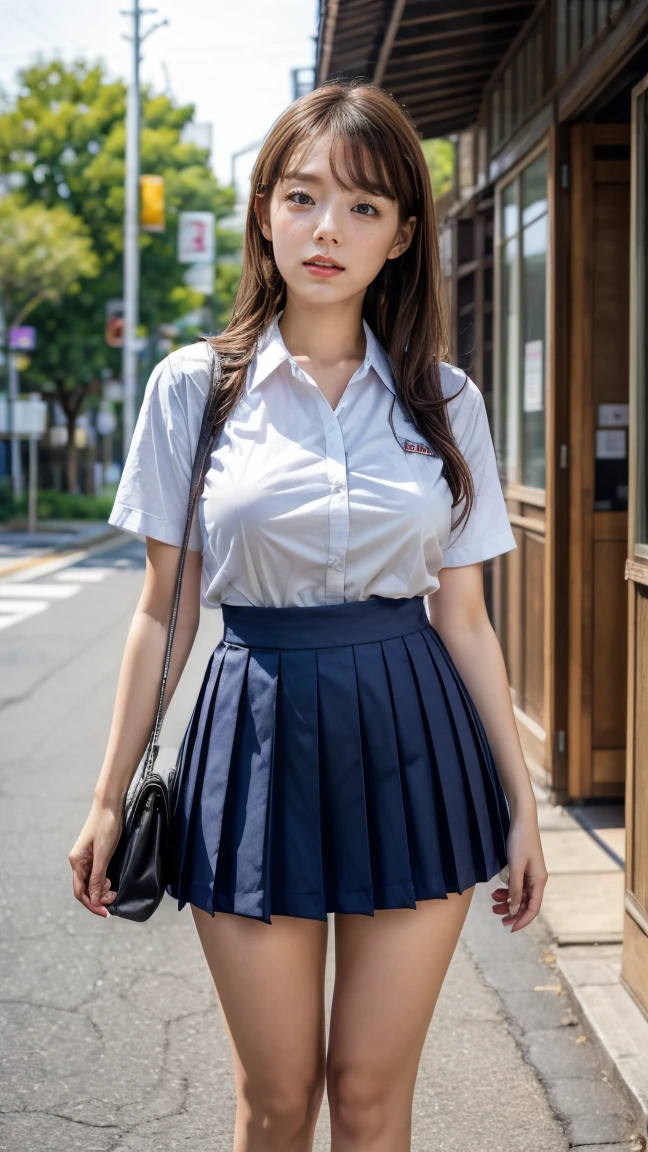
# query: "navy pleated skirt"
(334, 762)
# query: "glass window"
(534, 190)
(534, 298)
(510, 210)
(507, 422)
(522, 256)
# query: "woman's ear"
(260, 208)
(404, 238)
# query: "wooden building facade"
(544, 250)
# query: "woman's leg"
(270, 983)
(389, 972)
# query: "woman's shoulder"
(189, 369)
(464, 397)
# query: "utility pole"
(131, 221)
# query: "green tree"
(440, 156)
(44, 253)
(64, 137)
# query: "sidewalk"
(583, 913)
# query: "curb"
(613, 1019)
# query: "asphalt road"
(110, 1034)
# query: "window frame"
(500, 386)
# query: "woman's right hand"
(91, 855)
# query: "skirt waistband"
(323, 625)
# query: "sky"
(231, 58)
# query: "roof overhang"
(434, 56)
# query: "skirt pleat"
(334, 762)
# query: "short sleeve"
(153, 492)
(486, 531)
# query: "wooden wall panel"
(609, 673)
(639, 877)
(534, 598)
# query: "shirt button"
(332, 562)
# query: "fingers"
(528, 906)
(95, 893)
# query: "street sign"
(22, 339)
(200, 277)
(196, 238)
(29, 416)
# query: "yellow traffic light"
(152, 203)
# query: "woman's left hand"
(519, 904)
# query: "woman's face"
(309, 217)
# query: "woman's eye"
(291, 196)
(373, 211)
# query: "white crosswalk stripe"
(21, 600)
(38, 591)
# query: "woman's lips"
(325, 270)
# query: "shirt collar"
(271, 352)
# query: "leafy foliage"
(66, 137)
(440, 156)
(63, 144)
(44, 253)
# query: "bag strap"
(203, 452)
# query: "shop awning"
(434, 56)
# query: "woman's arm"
(134, 712)
(458, 613)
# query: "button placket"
(338, 509)
(338, 512)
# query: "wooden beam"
(388, 42)
(472, 81)
(420, 75)
(434, 105)
(457, 34)
(452, 51)
(467, 8)
(458, 9)
(330, 20)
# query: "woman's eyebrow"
(304, 176)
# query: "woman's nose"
(327, 228)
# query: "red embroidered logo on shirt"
(415, 446)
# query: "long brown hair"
(403, 305)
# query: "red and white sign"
(196, 236)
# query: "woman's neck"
(323, 336)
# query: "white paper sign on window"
(610, 444)
(533, 392)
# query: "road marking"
(14, 611)
(21, 600)
(46, 567)
(84, 575)
(38, 591)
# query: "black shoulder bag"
(139, 867)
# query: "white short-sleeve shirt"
(303, 504)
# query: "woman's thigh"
(269, 979)
(389, 972)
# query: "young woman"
(346, 754)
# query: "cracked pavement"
(110, 1033)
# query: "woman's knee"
(284, 1111)
(358, 1101)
